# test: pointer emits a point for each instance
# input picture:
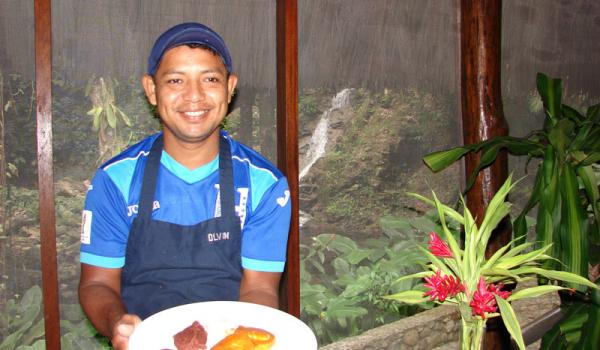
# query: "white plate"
(218, 317)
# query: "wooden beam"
(287, 141)
(483, 118)
(43, 93)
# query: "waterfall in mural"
(318, 140)
(319, 137)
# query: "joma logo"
(133, 209)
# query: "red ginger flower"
(442, 287)
(497, 290)
(483, 299)
(438, 247)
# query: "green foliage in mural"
(23, 322)
(343, 283)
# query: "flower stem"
(472, 334)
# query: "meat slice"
(191, 338)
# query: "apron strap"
(226, 189)
(150, 176)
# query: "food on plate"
(191, 338)
(246, 338)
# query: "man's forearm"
(261, 297)
(102, 306)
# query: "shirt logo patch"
(218, 236)
(133, 209)
(282, 201)
(86, 227)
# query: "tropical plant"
(17, 118)
(566, 187)
(565, 192)
(578, 329)
(341, 281)
(24, 323)
(465, 278)
(106, 116)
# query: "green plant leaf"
(574, 322)
(394, 227)
(583, 132)
(311, 289)
(592, 142)
(415, 275)
(93, 111)
(497, 210)
(590, 184)
(591, 334)
(510, 321)
(437, 161)
(358, 287)
(560, 276)
(572, 114)
(550, 91)
(470, 263)
(520, 147)
(592, 111)
(342, 245)
(488, 156)
(11, 341)
(498, 253)
(357, 256)
(317, 265)
(509, 262)
(518, 249)
(560, 136)
(34, 333)
(96, 114)
(439, 263)
(574, 229)
(498, 272)
(123, 116)
(555, 338)
(593, 157)
(339, 309)
(453, 214)
(341, 266)
(533, 292)
(110, 117)
(520, 224)
(408, 297)
(454, 247)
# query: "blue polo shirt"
(187, 197)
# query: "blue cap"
(188, 33)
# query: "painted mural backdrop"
(378, 90)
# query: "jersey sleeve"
(265, 233)
(105, 224)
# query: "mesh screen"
(379, 89)
(20, 275)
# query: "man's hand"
(122, 330)
(100, 298)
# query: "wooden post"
(483, 118)
(287, 141)
(43, 94)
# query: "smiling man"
(188, 214)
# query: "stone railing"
(437, 328)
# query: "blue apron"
(167, 264)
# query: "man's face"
(191, 91)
